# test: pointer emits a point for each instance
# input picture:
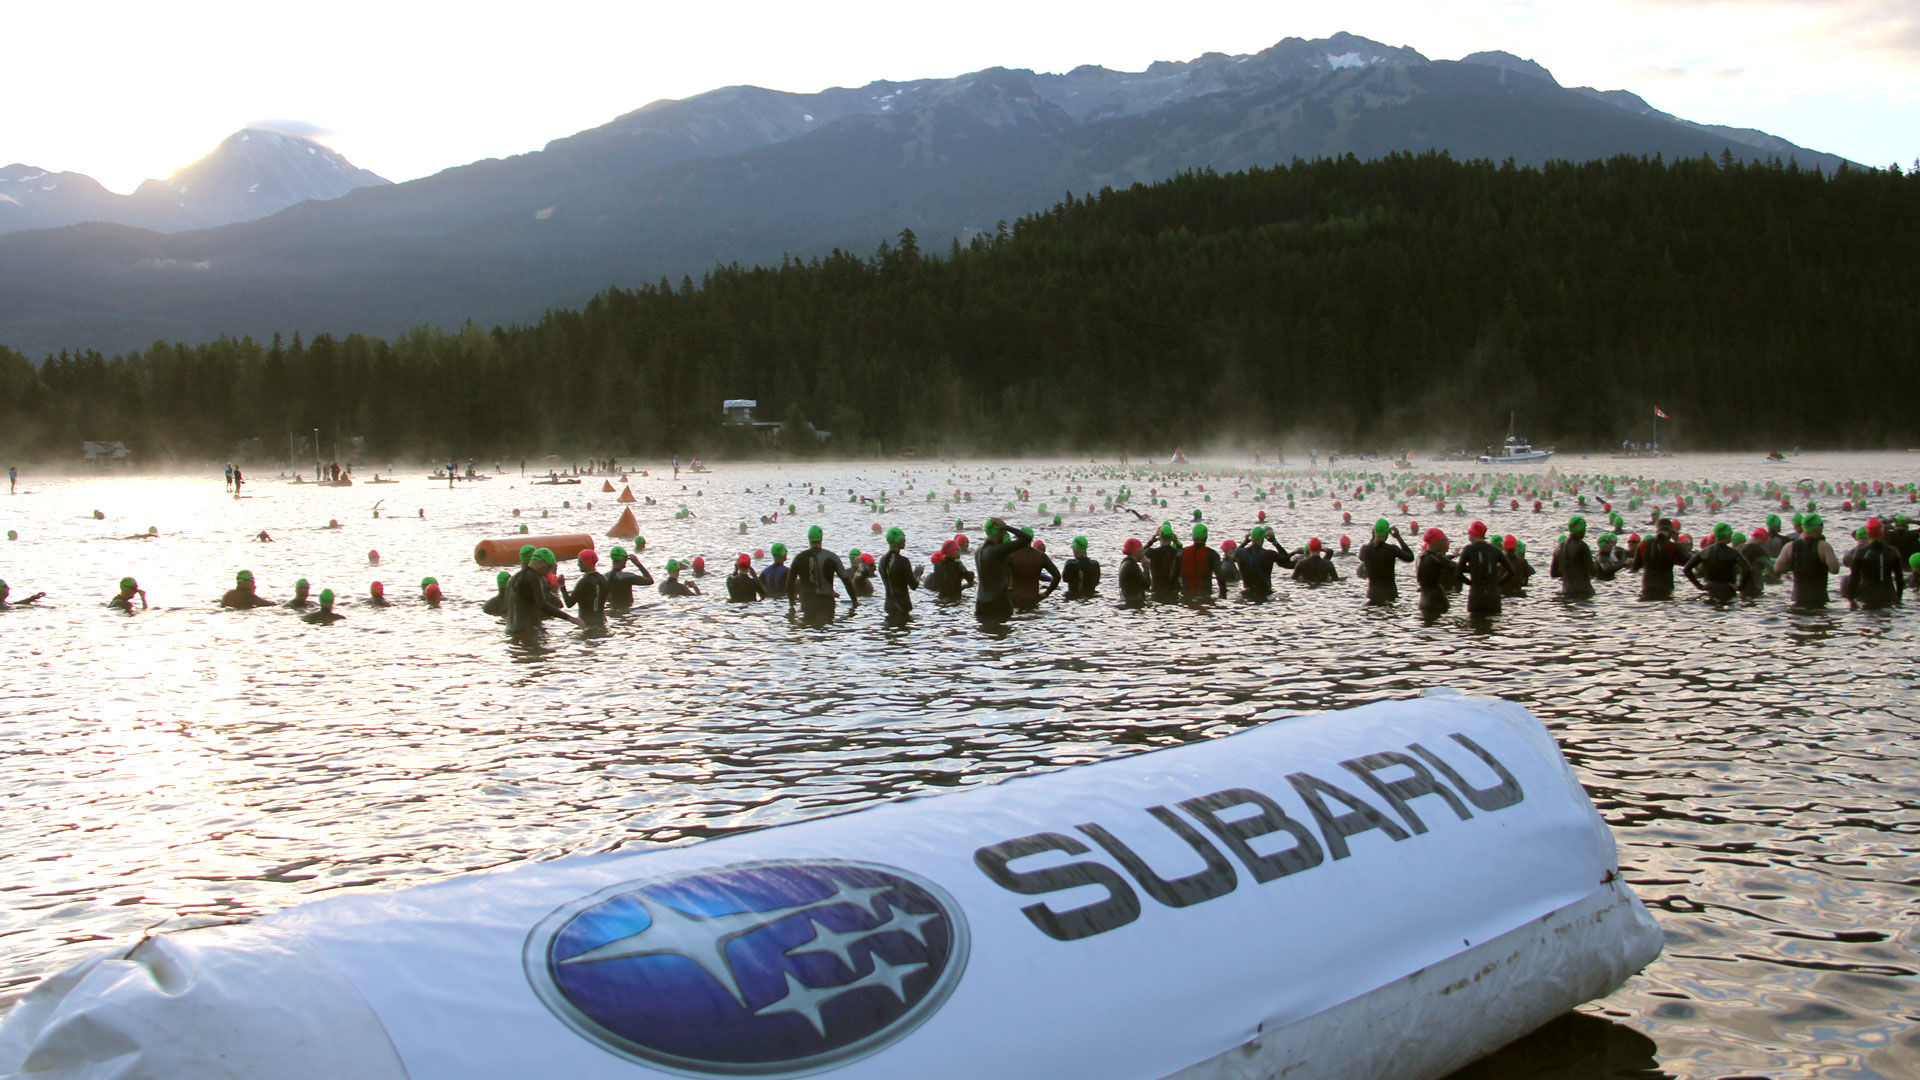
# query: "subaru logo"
(756, 969)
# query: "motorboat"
(1515, 451)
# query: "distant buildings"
(739, 412)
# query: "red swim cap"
(1759, 536)
(759, 553)
(937, 557)
(1039, 545)
(1509, 541)
(866, 559)
(1313, 544)
(377, 589)
(1262, 517)
(1345, 541)
(1477, 529)
(950, 549)
(699, 563)
(588, 557)
(1132, 545)
(433, 593)
(373, 556)
(744, 560)
(1226, 545)
(1634, 538)
(1875, 527)
(1435, 536)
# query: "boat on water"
(1515, 451)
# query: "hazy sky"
(123, 91)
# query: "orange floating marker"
(626, 495)
(626, 528)
(506, 552)
(606, 485)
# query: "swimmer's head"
(1799, 521)
(300, 587)
(896, 537)
(426, 581)
(589, 558)
(1875, 528)
(1314, 545)
(1477, 530)
(1131, 547)
(673, 566)
(128, 585)
(526, 553)
(544, 556)
(1607, 540)
(618, 553)
(326, 599)
(1723, 532)
(500, 580)
(1758, 535)
(432, 594)
(1382, 527)
(815, 534)
(949, 549)
(853, 555)
(779, 551)
(243, 579)
(1811, 521)
(1576, 525)
(1509, 542)
(995, 529)
(1199, 533)
(1434, 537)
(1773, 522)
(377, 589)
(866, 560)
(1080, 544)
(1860, 534)
(1166, 529)
(743, 560)
(699, 562)
(1913, 560)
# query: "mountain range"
(749, 175)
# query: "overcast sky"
(123, 91)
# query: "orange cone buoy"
(606, 485)
(626, 494)
(626, 528)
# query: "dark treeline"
(1410, 300)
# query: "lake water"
(1758, 764)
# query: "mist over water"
(1757, 764)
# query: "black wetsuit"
(773, 580)
(1484, 566)
(810, 583)
(621, 583)
(1803, 557)
(1655, 559)
(996, 575)
(529, 602)
(1200, 570)
(1135, 581)
(1520, 572)
(1229, 567)
(949, 578)
(862, 586)
(1756, 555)
(237, 598)
(1723, 569)
(896, 575)
(1315, 569)
(1775, 542)
(1377, 557)
(589, 595)
(1163, 561)
(497, 603)
(675, 587)
(1574, 565)
(1082, 577)
(1256, 567)
(322, 617)
(1877, 580)
(377, 601)
(744, 586)
(1906, 541)
(1437, 576)
(1609, 561)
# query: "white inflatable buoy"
(1385, 892)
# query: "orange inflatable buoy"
(506, 552)
(626, 495)
(626, 528)
(606, 485)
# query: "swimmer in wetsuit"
(242, 596)
(1229, 562)
(1877, 580)
(497, 603)
(1655, 559)
(377, 595)
(1316, 568)
(1081, 574)
(1774, 541)
(1610, 559)
(1913, 564)
(1026, 566)
(123, 600)
(993, 603)
(1516, 553)
(621, 582)
(810, 583)
(22, 602)
(1484, 567)
(673, 586)
(1725, 570)
(1755, 552)
(324, 614)
(1200, 566)
(1163, 560)
(1573, 562)
(589, 594)
(1436, 574)
(528, 602)
(1136, 581)
(1377, 559)
(897, 575)
(773, 580)
(1810, 559)
(430, 591)
(863, 570)
(300, 595)
(743, 585)
(950, 578)
(1257, 562)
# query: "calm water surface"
(1758, 765)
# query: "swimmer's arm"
(1826, 553)
(1688, 571)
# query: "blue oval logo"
(761, 969)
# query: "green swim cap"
(1860, 533)
(326, 598)
(1576, 523)
(545, 555)
(1520, 546)
(896, 535)
(1799, 521)
(1723, 532)
(426, 581)
(618, 552)
(1773, 521)
(1913, 560)
(526, 553)
(1166, 529)
(814, 535)
(301, 584)
(1811, 521)
(1199, 533)
(853, 554)
(127, 584)
(779, 551)
(673, 565)
(1608, 539)
(502, 578)
(1079, 543)
(1259, 533)
(1382, 527)
(244, 575)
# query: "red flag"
(1661, 415)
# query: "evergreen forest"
(1410, 301)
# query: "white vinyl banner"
(1119, 920)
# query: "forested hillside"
(1403, 301)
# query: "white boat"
(1516, 451)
